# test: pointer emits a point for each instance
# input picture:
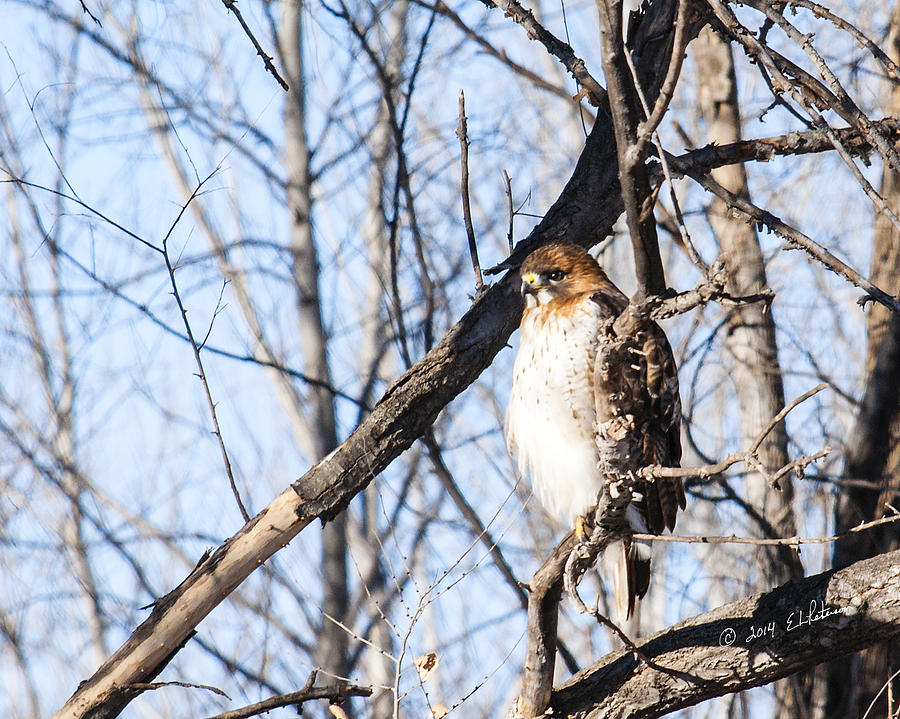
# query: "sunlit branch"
(781, 541)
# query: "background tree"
(215, 285)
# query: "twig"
(795, 239)
(464, 190)
(710, 470)
(512, 212)
(534, 78)
(614, 628)
(231, 5)
(72, 198)
(334, 693)
(783, 413)
(885, 686)
(170, 268)
(799, 465)
(152, 686)
(562, 51)
(88, 12)
(748, 456)
(783, 541)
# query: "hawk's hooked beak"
(531, 283)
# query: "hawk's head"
(559, 272)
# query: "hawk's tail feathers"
(629, 569)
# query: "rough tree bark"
(873, 453)
(756, 373)
(747, 643)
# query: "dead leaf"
(426, 664)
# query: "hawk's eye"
(555, 275)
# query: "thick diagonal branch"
(744, 644)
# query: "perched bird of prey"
(587, 407)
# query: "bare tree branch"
(779, 542)
(87, 11)
(795, 239)
(461, 133)
(749, 455)
(556, 47)
(201, 372)
(231, 6)
(746, 643)
(633, 179)
(334, 693)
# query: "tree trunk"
(751, 339)
(333, 641)
(378, 667)
(872, 455)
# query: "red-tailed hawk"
(581, 413)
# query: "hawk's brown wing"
(661, 428)
(638, 423)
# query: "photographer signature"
(815, 612)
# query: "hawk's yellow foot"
(580, 534)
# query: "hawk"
(587, 406)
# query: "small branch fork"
(748, 456)
(196, 347)
(461, 133)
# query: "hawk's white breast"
(550, 418)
